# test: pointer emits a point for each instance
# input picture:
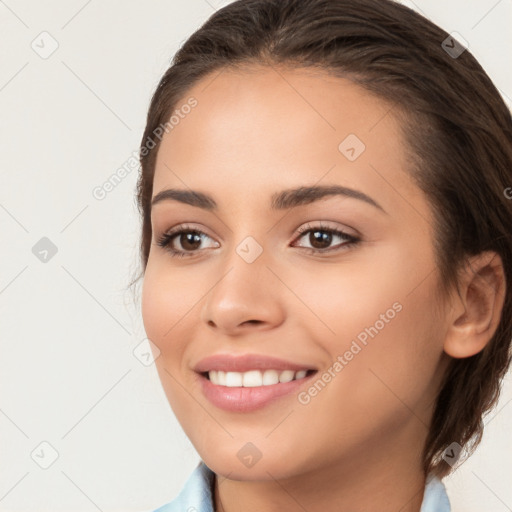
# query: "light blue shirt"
(196, 494)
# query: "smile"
(236, 396)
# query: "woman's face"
(363, 310)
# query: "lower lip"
(240, 399)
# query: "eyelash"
(165, 240)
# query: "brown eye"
(188, 240)
(320, 239)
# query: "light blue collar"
(196, 494)
(435, 498)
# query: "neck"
(374, 479)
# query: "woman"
(326, 254)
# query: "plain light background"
(73, 383)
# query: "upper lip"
(246, 362)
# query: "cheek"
(344, 301)
(153, 306)
(392, 356)
(383, 322)
(167, 298)
(163, 309)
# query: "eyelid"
(186, 226)
(321, 225)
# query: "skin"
(357, 444)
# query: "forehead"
(271, 128)
(274, 105)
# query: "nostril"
(252, 322)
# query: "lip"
(246, 362)
(240, 399)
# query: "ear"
(476, 314)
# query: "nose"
(247, 296)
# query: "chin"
(229, 464)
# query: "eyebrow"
(283, 200)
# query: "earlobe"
(476, 313)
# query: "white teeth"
(270, 377)
(301, 374)
(253, 378)
(233, 379)
(286, 376)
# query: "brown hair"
(457, 128)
